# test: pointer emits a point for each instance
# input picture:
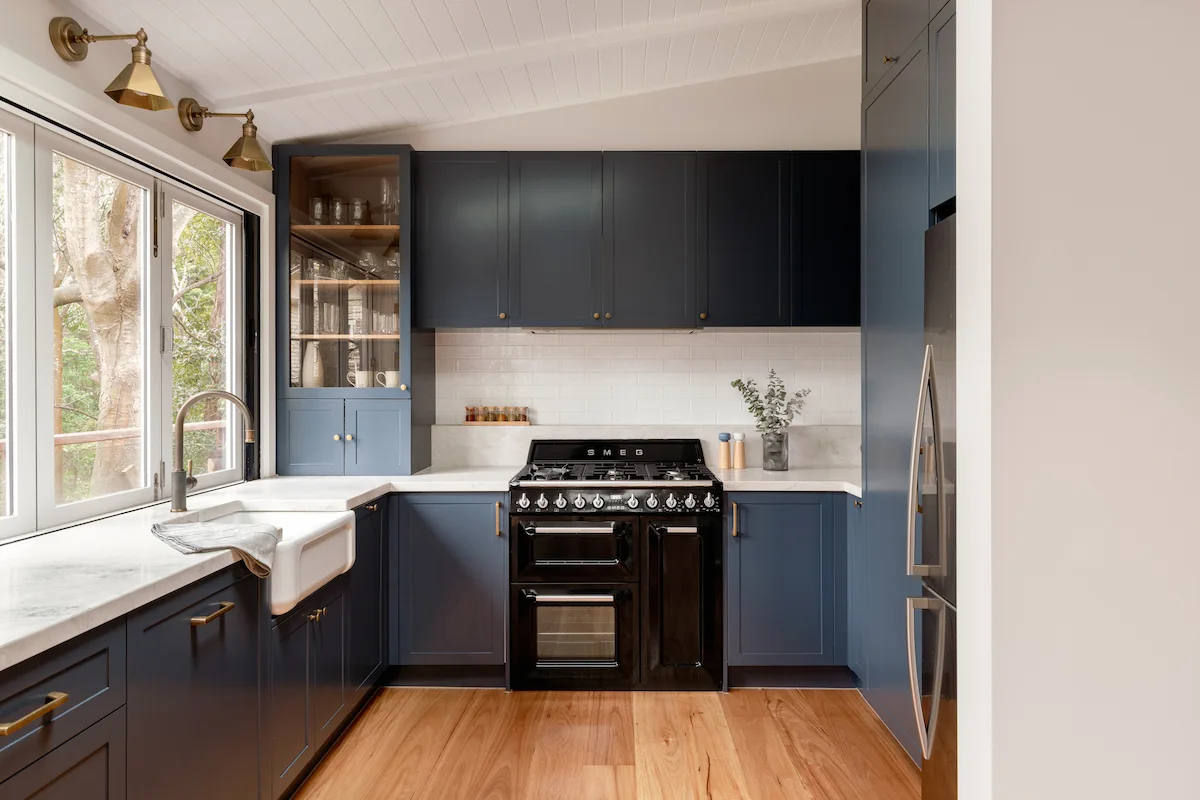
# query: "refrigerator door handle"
(926, 733)
(928, 391)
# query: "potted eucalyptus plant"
(773, 412)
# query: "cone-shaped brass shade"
(136, 85)
(247, 153)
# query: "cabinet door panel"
(891, 26)
(328, 686)
(681, 583)
(942, 108)
(856, 543)
(782, 589)
(826, 241)
(744, 225)
(461, 240)
(204, 674)
(306, 443)
(380, 431)
(290, 744)
(649, 240)
(452, 572)
(90, 766)
(895, 217)
(555, 232)
(367, 596)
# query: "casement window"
(120, 297)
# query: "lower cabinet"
(90, 766)
(785, 598)
(193, 691)
(306, 669)
(366, 654)
(856, 575)
(449, 559)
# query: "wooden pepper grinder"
(723, 451)
(739, 451)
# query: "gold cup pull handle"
(225, 608)
(53, 701)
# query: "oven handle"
(534, 530)
(676, 529)
(574, 598)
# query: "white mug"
(359, 379)
(390, 379)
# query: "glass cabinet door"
(345, 272)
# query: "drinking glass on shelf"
(337, 269)
(387, 201)
(318, 210)
(337, 211)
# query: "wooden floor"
(488, 745)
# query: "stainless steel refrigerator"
(933, 617)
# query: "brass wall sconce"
(136, 86)
(246, 152)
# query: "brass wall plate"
(191, 114)
(67, 37)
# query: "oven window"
(577, 633)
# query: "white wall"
(812, 107)
(1093, 284)
(646, 377)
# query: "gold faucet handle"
(191, 480)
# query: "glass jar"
(337, 211)
(318, 210)
(360, 211)
(775, 451)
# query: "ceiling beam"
(761, 12)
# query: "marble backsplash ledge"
(809, 445)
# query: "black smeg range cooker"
(616, 573)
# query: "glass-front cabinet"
(346, 287)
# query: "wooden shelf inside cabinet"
(347, 336)
(335, 236)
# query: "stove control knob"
(523, 501)
(598, 502)
(560, 502)
(542, 502)
(579, 501)
(632, 502)
(709, 500)
(671, 501)
(690, 501)
(652, 501)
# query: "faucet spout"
(179, 478)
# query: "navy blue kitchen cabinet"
(347, 437)
(461, 240)
(857, 615)
(310, 437)
(826, 239)
(193, 691)
(449, 558)
(895, 217)
(366, 651)
(784, 594)
(942, 154)
(743, 251)
(555, 229)
(91, 766)
(327, 640)
(377, 434)
(649, 240)
(889, 28)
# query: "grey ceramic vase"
(775, 451)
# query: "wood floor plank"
(609, 783)
(766, 765)
(683, 748)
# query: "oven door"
(575, 637)
(574, 549)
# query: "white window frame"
(234, 359)
(22, 361)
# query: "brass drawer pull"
(735, 533)
(320, 612)
(225, 608)
(499, 530)
(373, 507)
(53, 701)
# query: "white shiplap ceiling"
(336, 69)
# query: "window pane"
(200, 277)
(5, 258)
(99, 253)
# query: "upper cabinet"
(649, 240)
(890, 27)
(344, 241)
(555, 229)
(744, 228)
(826, 246)
(942, 50)
(461, 240)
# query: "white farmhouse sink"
(314, 548)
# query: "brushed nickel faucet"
(181, 481)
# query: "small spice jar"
(502, 415)
(469, 414)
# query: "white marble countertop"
(801, 479)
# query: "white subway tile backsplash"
(645, 377)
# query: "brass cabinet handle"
(608, 315)
(225, 608)
(735, 533)
(858, 503)
(890, 59)
(373, 507)
(337, 438)
(499, 530)
(596, 315)
(404, 387)
(53, 701)
(349, 437)
(703, 315)
(320, 612)
(503, 315)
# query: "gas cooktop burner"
(641, 463)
